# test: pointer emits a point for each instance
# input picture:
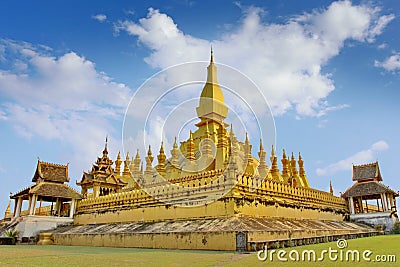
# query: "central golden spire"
(212, 103)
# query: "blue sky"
(329, 70)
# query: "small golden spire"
(118, 163)
(190, 148)
(175, 154)
(293, 166)
(330, 187)
(127, 162)
(261, 153)
(274, 166)
(272, 151)
(262, 167)
(302, 172)
(161, 160)
(149, 161)
(8, 211)
(301, 166)
(132, 165)
(149, 154)
(285, 169)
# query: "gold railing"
(245, 186)
(274, 189)
(47, 211)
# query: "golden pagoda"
(210, 193)
(102, 179)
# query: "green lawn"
(103, 256)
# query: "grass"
(25, 255)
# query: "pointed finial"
(119, 155)
(261, 145)
(330, 187)
(105, 151)
(247, 138)
(212, 56)
(273, 151)
(137, 154)
(299, 156)
(162, 147)
(175, 143)
(284, 154)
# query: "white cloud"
(285, 60)
(382, 46)
(60, 98)
(100, 17)
(390, 64)
(327, 109)
(362, 157)
(380, 24)
(379, 146)
(3, 115)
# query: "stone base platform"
(30, 226)
(384, 220)
(234, 233)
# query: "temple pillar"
(351, 205)
(29, 202)
(72, 208)
(57, 209)
(32, 209)
(389, 202)
(384, 203)
(393, 202)
(387, 197)
(360, 205)
(18, 207)
(15, 206)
